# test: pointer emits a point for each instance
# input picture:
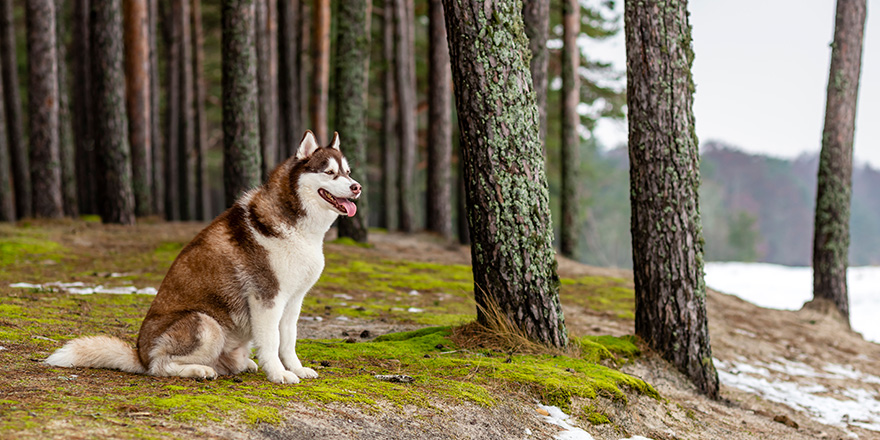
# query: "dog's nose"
(356, 188)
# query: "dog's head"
(326, 181)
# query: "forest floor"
(612, 385)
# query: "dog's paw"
(304, 373)
(197, 371)
(250, 366)
(283, 376)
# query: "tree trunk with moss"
(66, 146)
(536, 17)
(289, 72)
(241, 128)
(404, 19)
(512, 254)
(171, 36)
(321, 73)
(200, 117)
(352, 54)
(267, 82)
(18, 149)
(834, 185)
(111, 124)
(186, 143)
(7, 198)
(45, 155)
(664, 181)
(387, 206)
(439, 190)
(570, 142)
(137, 76)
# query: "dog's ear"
(335, 142)
(307, 146)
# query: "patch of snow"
(25, 286)
(838, 407)
(343, 296)
(414, 293)
(311, 318)
(788, 288)
(80, 288)
(559, 418)
(415, 310)
(342, 318)
(2, 348)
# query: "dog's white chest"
(296, 263)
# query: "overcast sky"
(761, 71)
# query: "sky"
(761, 73)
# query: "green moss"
(23, 248)
(347, 241)
(614, 296)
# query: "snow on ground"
(788, 288)
(569, 432)
(832, 406)
(81, 288)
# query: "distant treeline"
(754, 208)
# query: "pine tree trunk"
(390, 140)
(7, 197)
(45, 155)
(664, 180)
(513, 260)
(241, 129)
(570, 142)
(408, 124)
(186, 151)
(18, 149)
(111, 124)
(352, 54)
(305, 68)
(834, 186)
(536, 17)
(200, 120)
(289, 112)
(66, 147)
(157, 179)
(172, 112)
(267, 83)
(83, 111)
(439, 194)
(321, 74)
(137, 77)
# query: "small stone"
(439, 347)
(361, 309)
(350, 340)
(785, 421)
(427, 356)
(237, 380)
(344, 333)
(570, 370)
(395, 378)
(325, 363)
(365, 334)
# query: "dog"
(240, 281)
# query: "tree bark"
(157, 179)
(267, 75)
(439, 193)
(137, 85)
(570, 142)
(664, 181)
(7, 197)
(408, 124)
(66, 148)
(321, 74)
(390, 139)
(289, 111)
(352, 56)
(172, 113)
(508, 201)
(186, 151)
(45, 156)
(83, 111)
(834, 186)
(111, 124)
(241, 129)
(18, 150)
(536, 17)
(200, 120)
(305, 68)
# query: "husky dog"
(241, 280)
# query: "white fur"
(98, 351)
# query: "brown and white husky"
(241, 280)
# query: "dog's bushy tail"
(97, 352)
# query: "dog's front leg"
(288, 339)
(265, 322)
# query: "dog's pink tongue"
(350, 207)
